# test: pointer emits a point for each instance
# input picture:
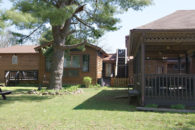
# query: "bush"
(71, 88)
(178, 106)
(87, 81)
(152, 105)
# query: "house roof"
(18, 49)
(110, 57)
(89, 45)
(181, 19)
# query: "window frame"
(14, 58)
(71, 62)
(48, 70)
(83, 63)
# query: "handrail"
(7, 78)
(17, 77)
(7, 74)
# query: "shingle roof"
(111, 57)
(19, 49)
(181, 19)
(89, 45)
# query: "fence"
(121, 82)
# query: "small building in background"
(19, 62)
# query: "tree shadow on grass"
(18, 90)
(23, 98)
(21, 95)
(107, 100)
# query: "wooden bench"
(4, 93)
(133, 92)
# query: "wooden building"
(77, 65)
(169, 38)
(109, 65)
(19, 63)
(115, 65)
(27, 64)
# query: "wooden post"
(179, 64)
(142, 72)
(187, 63)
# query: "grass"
(97, 108)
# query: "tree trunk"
(57, 60)
(57, 69)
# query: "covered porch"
(164, 66)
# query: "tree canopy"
(73, 22)
(89, 19)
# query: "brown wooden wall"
(155, 67)
(99, 66)
(151, 67)
(95, 67)
(25, 62)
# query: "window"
(71, 73)
(76, 61)
(14, 59)
(72, 62)
(85, 63)
(48, 63)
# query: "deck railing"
(170, 88)
(24, 75)
(14, 77)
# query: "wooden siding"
(25, 62)
(94, 61)
(151, 67)
(99, 66)
(155, 67)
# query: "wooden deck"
(20, 76)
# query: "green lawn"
(95, 109)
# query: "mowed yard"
(96, 108)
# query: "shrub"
(71, 88)
(95, 86)
(87, 81)
(178, 106)
(152, 105)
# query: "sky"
(132, 19)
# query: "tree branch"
(67, 47)
(32, 32)
(81, 21)
(70, 32)
(79, 9)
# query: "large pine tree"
(73, 22)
